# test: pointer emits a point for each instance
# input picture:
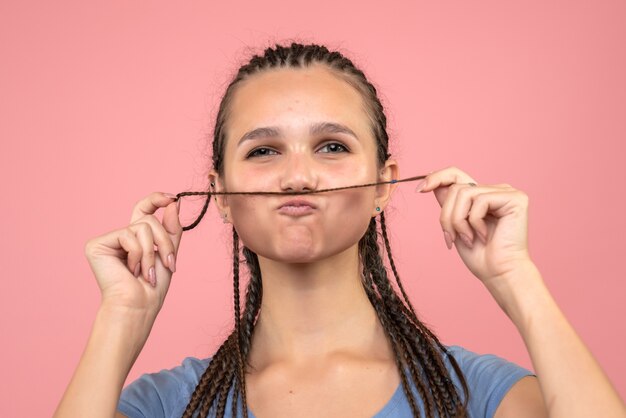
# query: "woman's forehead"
(295, 97)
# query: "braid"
(235, 399)
(411, 311)
(374, 267)
(393, 265)
(373, 263)
(254, 295)
(212, 379)
(221, 399)
(240, 380)
(418, 353)
(422, 328)
(391, 332)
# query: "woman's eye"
(260, 152)
(334, 147)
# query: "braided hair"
(418, 352)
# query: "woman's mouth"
(297, 207)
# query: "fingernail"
(172, 263)
(171, 196)
(466, 240)
(420, 186)
(152, 276)
(178, 206)
(448, 239)
(137, 269)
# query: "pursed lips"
(297, 207)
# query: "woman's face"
(294, 130)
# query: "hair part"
(418, 353)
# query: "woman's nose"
(298, 173)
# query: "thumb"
(172, 225)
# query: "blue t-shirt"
(167, 393)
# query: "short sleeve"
(164, 394)
(488, 378)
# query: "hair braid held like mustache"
(291, 193)
(419, 355)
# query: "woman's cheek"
(246, 220)
(357, 216)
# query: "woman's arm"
(123, 261)
(488, 224)
(116, 340)
(572, 382)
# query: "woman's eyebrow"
(323, 128)
(319, 128)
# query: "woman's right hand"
(123, 260)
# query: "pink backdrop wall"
(101, 104)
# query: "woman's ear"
(383, 191)
(221, 201)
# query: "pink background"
(102, 104)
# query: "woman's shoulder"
(164, 393)
(489, 377)
(185, 374)
(474, 362)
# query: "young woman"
(323, 333)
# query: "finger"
(143, 232)
(476, 219)
(465, 219)
(114, 243)
(480, 207)
(162, 239)
(457, 209)
(437, 180)
(463, 209)
(500, 203)
(128, 241)
(445, 217)
(459, 214)
(150, 204)
(171, 223)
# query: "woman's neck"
(310, 311)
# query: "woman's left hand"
(487, 223)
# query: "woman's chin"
(303, 254)
(299, 245)
(296, 253)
